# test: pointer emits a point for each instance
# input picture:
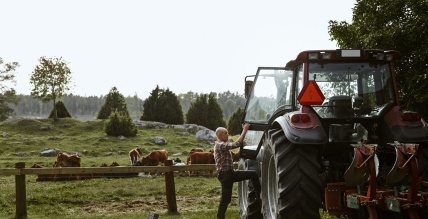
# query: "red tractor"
(328, 134)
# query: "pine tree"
(169, 109)
(114, 101)
(215, 113)
(163, 106)
(234, 123)
(205, 111)
(61, 111)
(149, 112)
(197, 110)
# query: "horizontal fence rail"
(113, 169)
(168, 169)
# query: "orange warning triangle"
(311, 94)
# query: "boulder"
(49, 152)
(46, 128)
(150, 124)
(121, 138)
(159, 140)
(178, 127)
(193, 128)
(206, 135)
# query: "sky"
(181, 45)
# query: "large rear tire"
(249, 206)
(291, 183)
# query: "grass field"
(125, 198)
(26, 140)
(114, 198)
(105, 197)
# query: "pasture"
(114, 198)
(26, 138)
(105, 197)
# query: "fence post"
(170, 188)
(21, 193)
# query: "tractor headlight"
(380, 56)
(326, 55)
(312, 55)
(389, 57)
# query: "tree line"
(162, 106)
(87, 107)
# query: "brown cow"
(197, 150)
(193, 150)
(66, 160)
(134, 155)
(202, 158)
(154, 158)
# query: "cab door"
(271, 91)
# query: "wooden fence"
(20, 172)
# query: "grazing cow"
(202, 158)
(154, 158)
(197, 150)
(66, 160)
(193, 150)
(134, 155)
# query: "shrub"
(120, 123)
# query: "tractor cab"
(353, 89)
(343, 88)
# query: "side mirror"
(248, 85)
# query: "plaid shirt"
(223, 155)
